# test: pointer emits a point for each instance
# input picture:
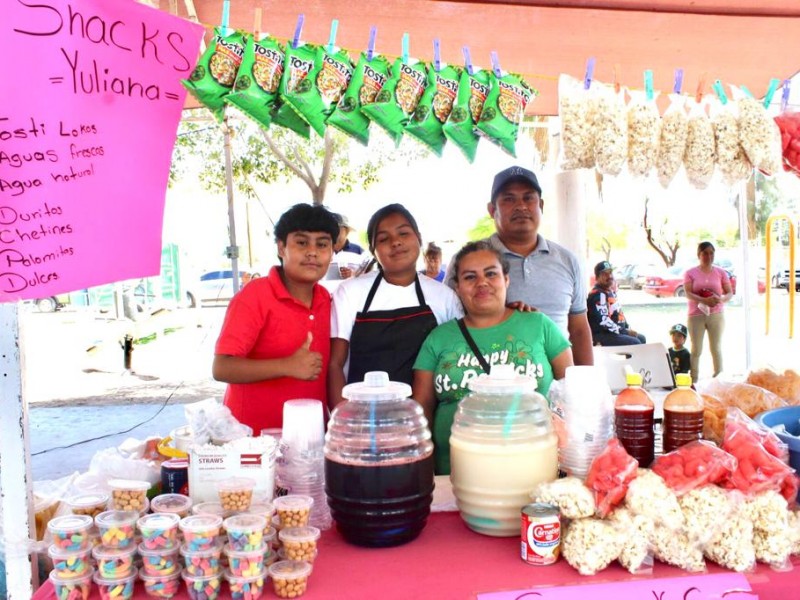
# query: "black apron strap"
(372, 292)
(418, 287)
(473, 346)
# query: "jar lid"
(502, 380)
(376, 386)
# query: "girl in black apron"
(386, 340)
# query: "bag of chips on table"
(398, 99)
(368, 78)
(300, 61)
(758, 133)
(644, 133)
(434, 107)
(213, 77)
(672, 146)
(732, 161)
(258, 79)
(610, 129)
(503, 110)
(576, 108)
(460, 127)
(315, 97)
(700, 156)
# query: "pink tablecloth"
(448, 561)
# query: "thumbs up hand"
(305, 363)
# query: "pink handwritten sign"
(731, 586)
(91, 99)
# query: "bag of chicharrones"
(610, 129)
(786, 385)
(758, 133)
(672, 146)
(732, 162)
(700, 156)
(576, 110)
(644, 133)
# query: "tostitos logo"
(543, 534)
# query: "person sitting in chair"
(607, 322)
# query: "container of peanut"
(236, 493)
(300, 543)
(128, 494)
(293, 510)
(88, 504)
(290, 577)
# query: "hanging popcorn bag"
(672, 145)
(577, 111)
(610, 129)
(700, 156)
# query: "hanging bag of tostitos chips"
(434, 107)
(316, 96)
(256, 86)
(300, 61)
(398, 99)
(460, 127)
(369, 77)
(212, 79)
(504, 109)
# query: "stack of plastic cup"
(588, 412)
(301, 466)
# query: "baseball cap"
(515, 173)
(602, 266)
(679, 328)
(341, 220)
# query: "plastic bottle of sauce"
(683, 414)
(633, 420)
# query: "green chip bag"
(434, 107)
(317, 95)
(503, 110)
(368, 79)
(258, 79)
(460, 126)
(299, 63)
(213, 77)
(398, 99)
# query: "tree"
(261, 156)
(662, 241)
(482, 229)
(604, 233)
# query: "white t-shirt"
(351, 295)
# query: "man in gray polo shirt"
(542, 274)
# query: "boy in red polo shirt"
(275, 341)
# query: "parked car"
(670, 282)
(634, 275)
(217, 286)
(783, 280)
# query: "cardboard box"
(246, 457)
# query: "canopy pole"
(744, 282)
(233, 249)
(15, 471)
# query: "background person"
(608, 324)
(708, 288)
(380, 319)
(433, 262)
(542, 274)
(342, 244)
(275, 341)
(447, 361)
(679, 356)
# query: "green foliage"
(602, 230)
(482, 229)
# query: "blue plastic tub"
(789, 416)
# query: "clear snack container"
(271, 539)
(246, 563)
(300, 543)
(245, 532)
(200, 531)
(290, 577)
(117, 528)
(246, 588)
(128, 494)
(161, 586)
(159, 530)
(70, 564)
(502, 445)
(70, 532)
(172, 503)
(75, 588)
(202, 563)
(88, 504)
(114, 563)
(211, 508)
(293, 510)
(236, 493)
(281, 555)
(202, 588)
(159, 562)
(115, 589)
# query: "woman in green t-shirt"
(446, 363)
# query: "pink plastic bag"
(694, 465)
(611, 472)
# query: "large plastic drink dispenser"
(502, 445)
(379, 463)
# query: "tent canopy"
(742, 42)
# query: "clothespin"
(700, 87)
(720, 90)
(676, 88)
(405, 49)
(468, 60)
(332, 36)
(373, 34)
(437, 61)
(496, 64)
(616, 78)
(648, 84)
(785, 95)
(773, 85)
(257, 23)
(298, 31)
(587, 78)
(226, 13)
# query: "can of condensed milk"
(540, 534)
